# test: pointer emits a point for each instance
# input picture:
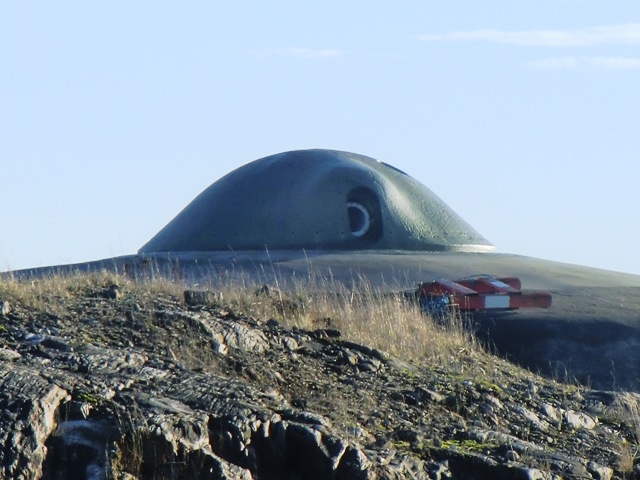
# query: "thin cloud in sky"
(591, 63)
(297, 52)
(627, 34)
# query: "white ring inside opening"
(359, 219)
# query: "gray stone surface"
(142, 394)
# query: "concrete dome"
(317, 200)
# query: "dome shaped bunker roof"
(317, 200)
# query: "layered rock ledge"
(116, 383)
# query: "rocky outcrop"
(99, 385)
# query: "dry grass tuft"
(626, 412)
(391, 322)
(387, 321)
(44, 293)
(627, 407)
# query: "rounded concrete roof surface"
(317, 199)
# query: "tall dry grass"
(373, 316)
(49, 292)
(380, 317)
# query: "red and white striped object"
(484, 293)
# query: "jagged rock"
(143, 388)
(6, 354)
(535, 474)
(195, 298)
(531, 417)
(512, 456)
(29, 404)
(5, 308)
(553, 414)
(599, 472)
(106, 361)
(232, 334)
(577, 420)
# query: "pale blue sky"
(522, 116)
